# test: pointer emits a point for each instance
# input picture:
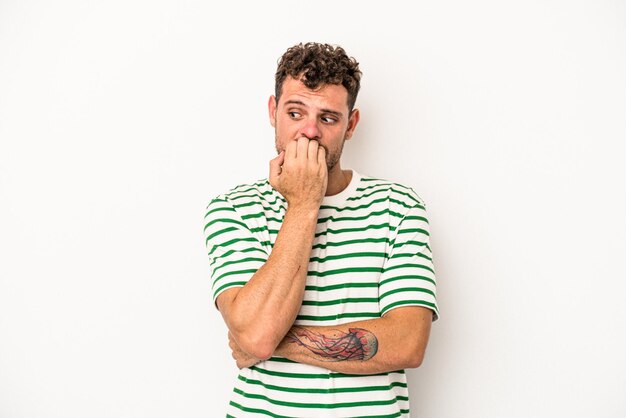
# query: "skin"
(401, 334)
(320, 115)
(311, 127)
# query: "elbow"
(415, 350)
(257, 338)
(259, 344)
(414, 360)
(414, 355)
(260, 350)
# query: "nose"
(310, 129)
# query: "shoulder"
(234, 202)
(397, 193)
(231, 210)
(258, 188)
(243, 193)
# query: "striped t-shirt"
(371, 254)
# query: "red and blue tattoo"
(356, 344)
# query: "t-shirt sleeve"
(235, 253)
(408, 277)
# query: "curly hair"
(317, 64)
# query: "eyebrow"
(298, 102)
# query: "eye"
(293, 114)
(329, 119)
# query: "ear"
(271, 107)
(355, 116)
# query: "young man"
(324, 277)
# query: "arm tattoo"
(356, 344)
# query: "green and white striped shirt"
(371, 254)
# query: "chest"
(348, 255)
(347, 259)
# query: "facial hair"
(332, 158)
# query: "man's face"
(320, 114)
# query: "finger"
(291, 150)
(312, 151)
(303, 145)
(232, 344)
(275, 170)
(321, 156)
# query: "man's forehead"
(294, 90)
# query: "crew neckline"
(343, 195)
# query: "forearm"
(363, 347)
(264, 309)
(260, 313)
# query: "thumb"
(275, 165)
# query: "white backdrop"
(119, 120)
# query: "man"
(324, 277)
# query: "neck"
(338, 180)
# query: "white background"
(119, 121)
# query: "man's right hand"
(300, 174)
